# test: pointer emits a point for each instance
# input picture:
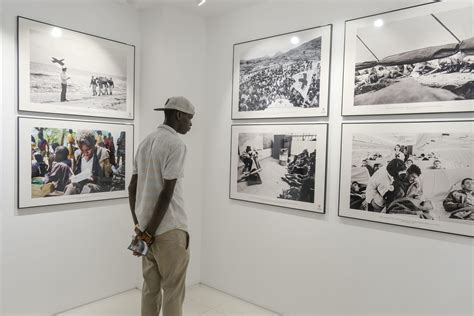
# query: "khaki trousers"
(164, 267)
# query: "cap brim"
(159, 109)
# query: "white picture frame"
(298, 85)
(367, 149)
(99, 79)
(279, 151)
(32, 192)
(410, 61)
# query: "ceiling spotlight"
(378, 23)
(295, 40)
(56, 32)
(200, 2)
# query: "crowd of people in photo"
(301, 176)
(459, 62)
(81, 162)
(259, 89)
(101, 86)
(395, 186)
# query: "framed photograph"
(282, 165)
(66, 161)
(282, 76)
(69, 72)
(413, 60)
(416, 174)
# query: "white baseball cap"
(178, 103)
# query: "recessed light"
(56, 32)
(295, 40)
(378, 23)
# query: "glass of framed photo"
(414, 60)
(68, 161)
(416, 174)
(285, 75)
(63, 71)
(282, 165)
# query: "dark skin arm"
(161, 206)
(132, 197)
(164, 200)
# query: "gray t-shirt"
(160, 156)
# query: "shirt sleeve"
(174, 165)
(135, 163)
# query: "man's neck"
(171, 124)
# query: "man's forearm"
(159, 211)
(132, 197)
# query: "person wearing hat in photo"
(157, 206)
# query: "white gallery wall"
(299, 263)
(1, 156)
(173, 63)
(58, 257)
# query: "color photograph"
(70, 161)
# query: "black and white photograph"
(72, 161)
(283, 165)
(69, 72)
(411, 174)
(414, 60)
(282, 76)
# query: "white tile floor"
(200, 300)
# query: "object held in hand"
(138, 246)
(145, 236)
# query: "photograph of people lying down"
(280, 166)
(423, 175)
(430, 58)
(71, 161)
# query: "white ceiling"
(211, 7)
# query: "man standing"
(64, 79)
(157, 205)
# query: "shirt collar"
(168, 128)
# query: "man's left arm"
(132, 197)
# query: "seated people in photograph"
(357, 196)
(460, 203)
(380, 189)
(250, 159)
(93, 163)
(436, 165)
(38, 167)
(247, 159)
(300, 177)
(410, 199)
(61, 171)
